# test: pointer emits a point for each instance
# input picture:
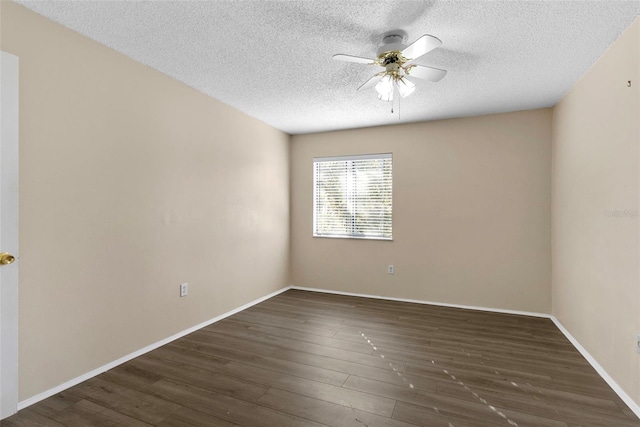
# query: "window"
(352, 196)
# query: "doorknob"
(6, 258)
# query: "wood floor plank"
(29, 418)
(188, 417)
(279, 365)
(433, 417)
(59, 401)
(187, 356)
(281, 336)
(476, 405)
(453, 412)
(135, 404)
(322, 352)
(481, 373)
(274, 319)
(206, 379)
(85, 413)
(331, 414)
(311, 389)
(310, 359)
(337, 347)
(252, 391)
(537, 404)
(624, 408)
(286, 317)
(415, 345)
(386, 374)
(131, 376)
(296, 331)
(225, 407)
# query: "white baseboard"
(415, 301)
(37, 398)
(599, 369)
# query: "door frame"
(9, 84)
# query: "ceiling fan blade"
(371, 82)
(421, 46)
(351, 58)
(426, 73)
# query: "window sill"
(384, 239)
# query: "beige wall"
(596, 282)
(130, 184)
(471, 213)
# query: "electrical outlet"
(391, 269)
(184, 289)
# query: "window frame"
(349, 199)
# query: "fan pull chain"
(393, 93)
(398, 107)
(392, 100)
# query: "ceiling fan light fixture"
(388, 97)
(385, 88)
(405, 87)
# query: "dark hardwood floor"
(311, 359)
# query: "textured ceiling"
(272, 59)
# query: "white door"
(8, 234)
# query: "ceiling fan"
(397, 59)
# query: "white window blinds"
(352, 196)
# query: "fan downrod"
(393, 40)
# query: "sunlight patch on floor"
(456, 380)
